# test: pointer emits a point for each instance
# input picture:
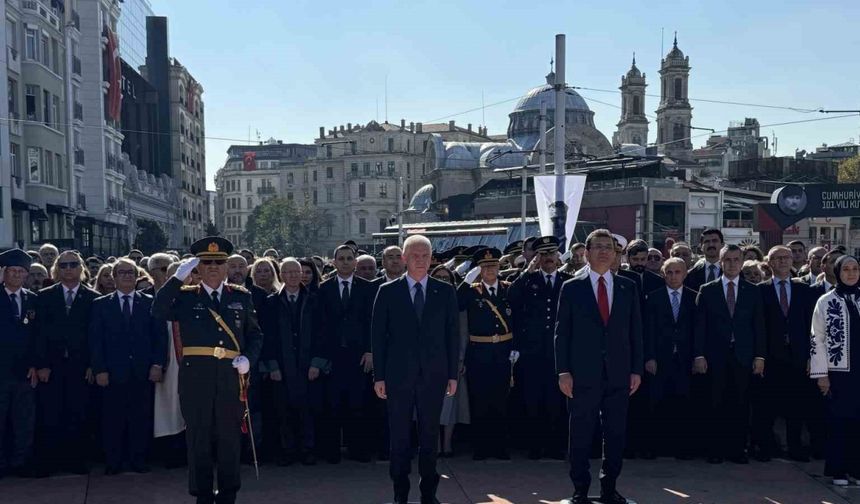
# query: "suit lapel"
(409, 305)
(590, 299)
(432, 297)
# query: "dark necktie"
(126, 308)
(14, 298)
(549, 281)
(783, 298)
(344, 294)
(418, 301)
(712, 273)
(216, 304)
(70, 298)
(730, 298)
(603, 300)
(676, 305)
(492, 292)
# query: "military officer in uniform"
(509, 256)
(221, 341)
(489, 323)
(534, 299)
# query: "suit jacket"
(58, 333)
(715, 327)
(16, 335)
(665, 335)
(126, 350)
(292, 356)
(788, 337)
(697, 275)
(338, 321)
(535, 306)
(646, 282)
(405, 348)
(584, 345)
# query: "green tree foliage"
(150, 237)
(849, 171)
(285, 226)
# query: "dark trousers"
(700, 410)
(843, 426)
(589, 403)
(376, 411)
(638, 412)
(667, 424)
(546, 425)
(787, 392)
(489, 372)
(127, 422)
(296, 424)
(18, 411)
(209, 399)
(729, 421)
(62, 402)
(426, 400)
(343, 418)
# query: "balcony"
(82, 201)
(76, 65)
(13, 59)
(79, 156)
(79, 111)
(76, 19)
(266, 190)
(50, 14)
(115, 204)
(113, 162)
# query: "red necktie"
(602, 300)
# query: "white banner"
(558, 198)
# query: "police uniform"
(17, 397)
(489, 323)
(209, 388)
(534, 299)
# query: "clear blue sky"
(286, 68)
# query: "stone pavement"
(662, 481)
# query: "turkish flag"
(249, 161)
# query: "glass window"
(31, 45)
(49, 167)
(367, 168)
(12, 92)
(46, 105)
(250, 202)
(55, 111)
(354, 168)
(383, 190)
(315, 196)
(32, 99)
(678, 88)
(329, 172)
(329, 194)
(289, 178)
(362, 225)
(379, 167)
(362, 190)
(315, 175)
(248, 184)
(408, 169)
(61, 171)
(306, 177)
(46, 51)
(390, 145)
(15, 160)
(55, 53)
(34, 163)
(11, 35)
(382, 224)
(391, 167)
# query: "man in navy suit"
(416, 347)
(599, 361)
(128, 353)
(17, 376)
(669, 360)
(730, 348)
(710, 243)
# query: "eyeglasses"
(117, 272)
(207, 262)
(69, 265)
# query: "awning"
(59, 209)
(23, 205)
(38, 215)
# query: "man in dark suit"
(786, 389)
(416, 346)
(221, 341)
(17, 376)
(289, 324)
(128, 352)
(730, 347)
(710, 243)
(599, 361)
(62, 358)
(534, 299)
(669, 360)
(344, 303)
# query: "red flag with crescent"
(249, 161)
(113, 69)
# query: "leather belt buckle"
(495, 338)
(219, 352)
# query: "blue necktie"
(14, 298)
(418, 301)
(676, 304)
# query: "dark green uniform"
(209, 386)
(488, 364)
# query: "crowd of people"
(605, 348)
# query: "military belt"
(203, 351)
(496, 338)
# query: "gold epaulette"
(478, 287)
(188, 288)
(240, 288)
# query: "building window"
(55, 111)
(46, 52)
(34, 164)
(678, 89)
(328, 151)
(31, 98)
(46, 105)
(49, 167)
(289, 196)
(289, 178)
(329, 194)
(15, 161)
(382, 224)
(315, 197)
(315, 175)
(362, 225)
(329, 172)
(379, 167)
(55, 56)
(678, 132)
(362, 190)
(12, 92)
(367, 168)
(383, 190)
(248, 184)
(306, 177)
(353, 168)
(408, 145)
(636, 104)
(12, 35)
(353, 147)
(32, 47)
(391, 168)
(408, 169)
(250, 202)
(61, 171)
(390, 145)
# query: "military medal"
(25, 321)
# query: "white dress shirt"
(494, 286)
(679, 290)
(340, 282)
(608, 281)
(210, 289)
(552, 276)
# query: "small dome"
(546, 93)
(634, 70)
(459, 155)
(422, 199)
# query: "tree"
(150, 237)
(212, 230)
(281, 224)
(849, 171)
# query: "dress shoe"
(761, 456)
(580, 498)
(612, 498)
(309, 459)
(429, 500)
(740, 459)
(715, 460)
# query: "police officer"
(221, 341)
(489, 323)
(534, 299)
(509, 257)
(17, 378)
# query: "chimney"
(402, 124)
(349, 127)
(411, 126)
(341, 128)
(419, 128)
(469, 127)
(322, 132)
(450, 125)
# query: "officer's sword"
(244, 387)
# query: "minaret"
(675, 114)
(633, 126)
